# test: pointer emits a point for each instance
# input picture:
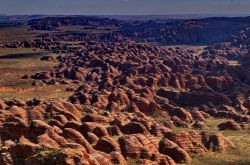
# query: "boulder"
(107, 145)
(134, 128)
(171, 149)
(229, 125)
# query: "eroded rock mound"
(128, 99)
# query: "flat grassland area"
(238, 156)
(11, 34)
(14, 63)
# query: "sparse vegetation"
(50, 153)
(237, 156)
(11, 34)
(19, 62)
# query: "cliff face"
(200, 31)
(52, 23)
(191, 31)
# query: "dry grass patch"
(10, 34)
(21, 62)
(237, 156)
(7, 51)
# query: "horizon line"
(167, 14)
